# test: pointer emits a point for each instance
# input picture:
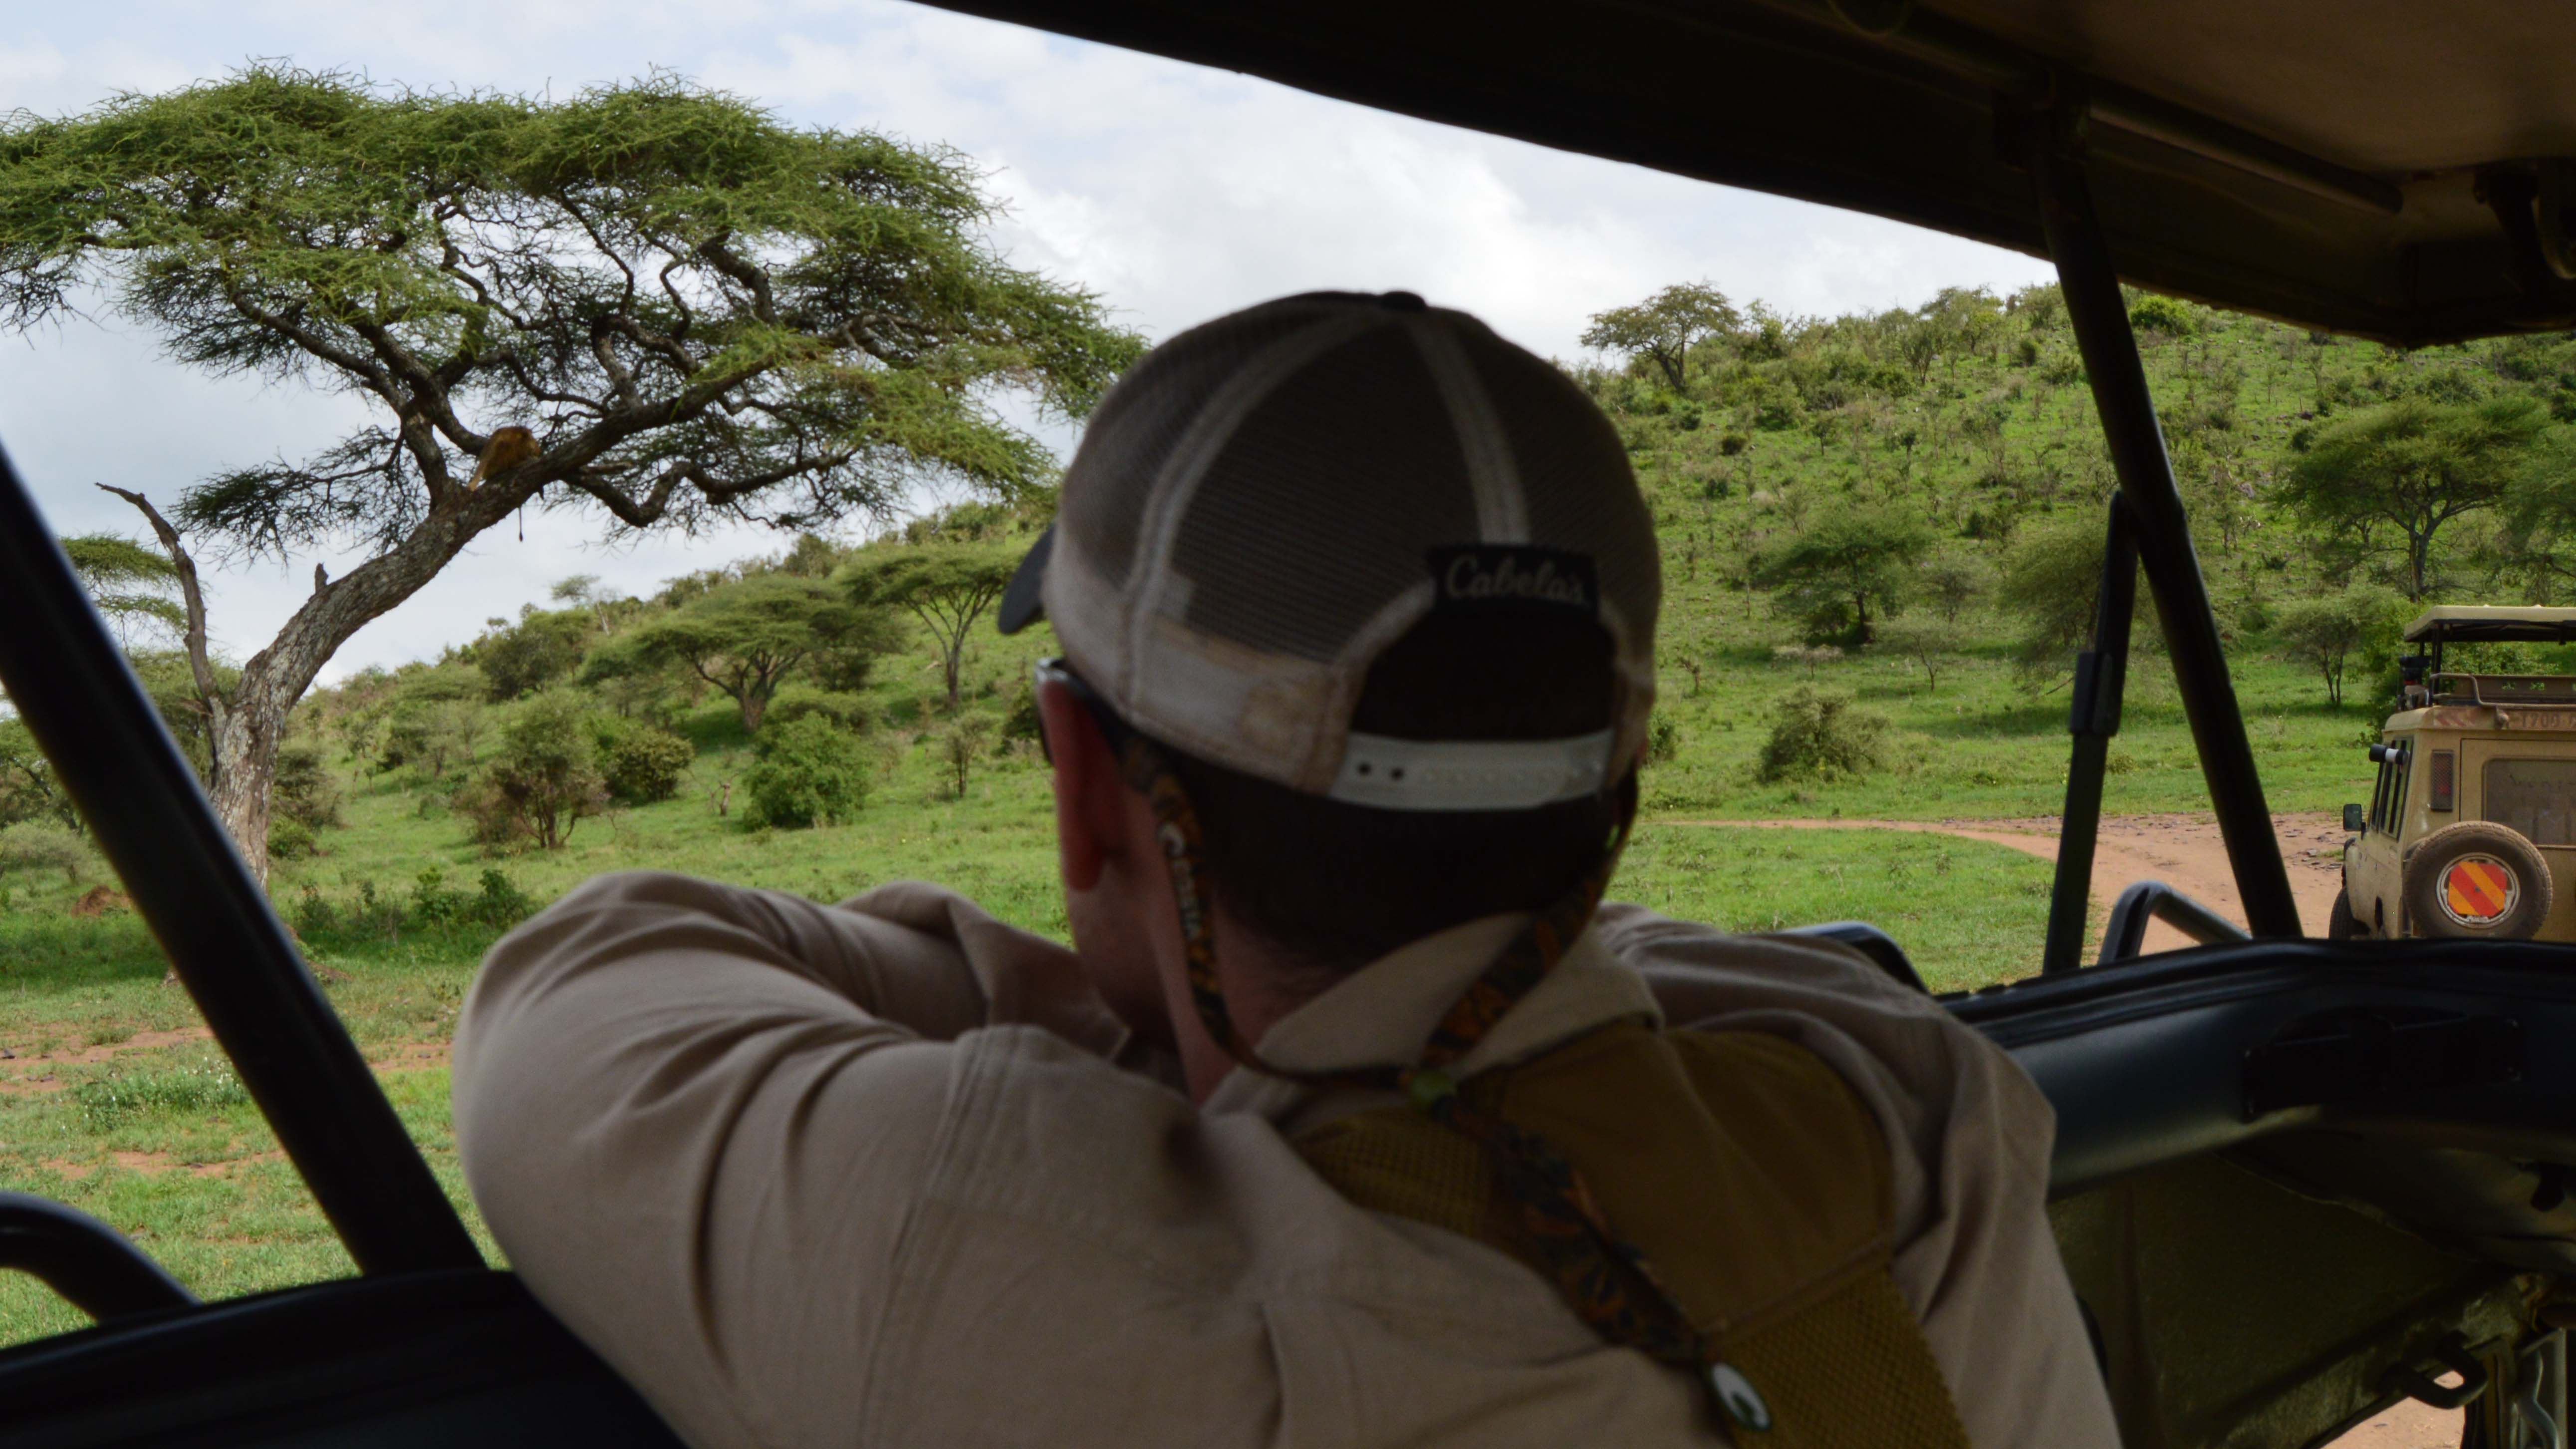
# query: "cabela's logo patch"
(1516, 575)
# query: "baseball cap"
(1266, 502)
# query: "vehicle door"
(2371, 882)
(2529, 786)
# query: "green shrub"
(1663, 741)
(810, 772)
(960, 745)
(1823, 736)
(851, 712)
(302, 790)
(546, 779)
(32, 845)
(291, 839)
(2162, 314)
(643, 764)
(1021, 722)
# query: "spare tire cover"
(2477, 880)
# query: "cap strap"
(1393, 774)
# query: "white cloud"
(1174, 191)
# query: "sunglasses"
(1112, 729)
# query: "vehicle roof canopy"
(2478, 623)
(2370, 166)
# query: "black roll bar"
(2153, 900)
(70, 683)
(2092, 717)
(2162, 532)
(91, 1264)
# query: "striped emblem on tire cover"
(2478, 889)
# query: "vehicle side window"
(2535, 797)
(2388, 795)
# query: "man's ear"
(1090, 815)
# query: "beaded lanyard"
(1606, 1280)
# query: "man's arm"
(696, 1118)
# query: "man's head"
(1379, 587)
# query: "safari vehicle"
(2471, 828)
(2295, 1180)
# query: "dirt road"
(2183, 851)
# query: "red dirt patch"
(410, 1057)
(2183, 851)
(35, 1071)
(154, 1164)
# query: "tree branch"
(199, 666)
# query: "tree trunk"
(244, 759)
(949, 665)
(754, 705)
(247, 723)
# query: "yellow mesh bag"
(1743, 1168)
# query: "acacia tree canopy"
(2416, 465)
(1666, 326)
(132, 585)
(1846, 568)
(694, 311)
(947, 586)
(749, 638)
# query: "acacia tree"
(1848, 566)
(748, 638)
(2415, 465)
(947, 586)
(2325, 631)
(650, 301)
(1665, 326)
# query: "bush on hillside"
(34, 845)
(545, 780)
(302, 791)
(2162, 314)
(2051, 579)
(853, 713)
(1663, 741)
(2326, 632)
(1928, 642)
(291, 839)
(810, 772)
(1819, 735)
(540, 649)
(959, 748)
(643, 763)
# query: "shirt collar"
(1381, 1014)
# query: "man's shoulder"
(1760, 962)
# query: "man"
(1347, 1120)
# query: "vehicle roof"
(2352, 165)
(2471, 623)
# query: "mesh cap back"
(1266, 502)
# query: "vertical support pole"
(2110, 352)
(119, 765)
(2092, 718)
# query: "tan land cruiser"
(2471, 826)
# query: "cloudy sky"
(1175, 192)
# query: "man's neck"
(1263, 985)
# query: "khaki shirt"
(889, 1173)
